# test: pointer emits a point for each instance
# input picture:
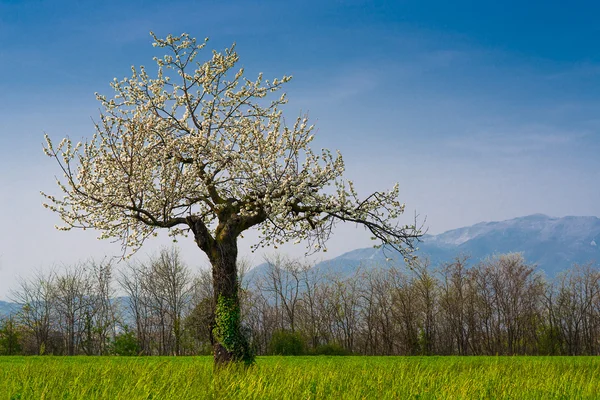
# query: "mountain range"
(7, 308)
(552, 244)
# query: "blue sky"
(480, 111)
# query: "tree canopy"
(200, 147)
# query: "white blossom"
(200, 143)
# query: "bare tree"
(426, 288)
(71, 296)
(513, 294)
(498, 306)
(102, 314)
(574, 313)
(131, 281)
(169, 283)
(159, 294)
(36, 296)
(309, 316)
(378, 294)
(283, 281)
(456, 302)
(344, 303)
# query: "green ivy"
(227, 330)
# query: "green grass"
(300, 378)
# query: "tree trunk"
(229, 343)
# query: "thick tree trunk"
(229, 343)
(224, 273)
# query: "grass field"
(300, 378)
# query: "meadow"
(316, 377)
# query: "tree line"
(501, 305)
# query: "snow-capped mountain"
(553, 244)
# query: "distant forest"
(500, 305)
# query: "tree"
(9, 337)
(72, 294)
(158, 294)
(102, 313)
(125, 343)
(456, 302)
(132, 282)
(200, 150)
(170, 281)
(36, 297)
(283, 281)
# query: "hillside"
(7, 308)
(553, 244)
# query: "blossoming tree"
(200, 150)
